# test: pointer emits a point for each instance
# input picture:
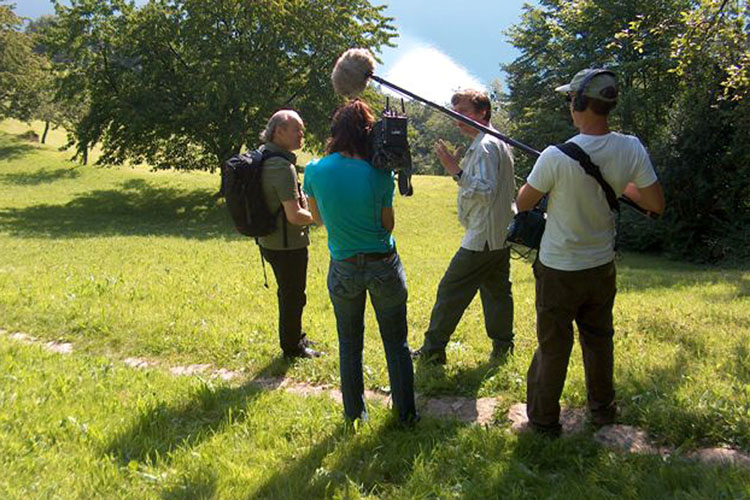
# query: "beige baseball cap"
(602, 85)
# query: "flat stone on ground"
(721, 456)
(480, 411)
(571, 419)
(625, 438)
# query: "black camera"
(389, 146)
(527, 228)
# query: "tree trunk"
(46, 129)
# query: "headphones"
(581, 102)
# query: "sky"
(441, 46)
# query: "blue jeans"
(385, 280)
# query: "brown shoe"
(604, 416)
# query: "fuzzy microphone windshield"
(352, 71)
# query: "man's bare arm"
(295, 214)
(388, 217)
(650, 197)
(528, 197)
(314, 211)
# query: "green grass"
(126, 262)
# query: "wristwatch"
(457, 175)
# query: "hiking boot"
(552, 431)
(604, 416)
(436, 357)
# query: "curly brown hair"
(350, 128)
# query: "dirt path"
(480, 411)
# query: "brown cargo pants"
(586, 297)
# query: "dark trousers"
(290, 269)
(469, 271)
(586, 297)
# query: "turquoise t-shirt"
(351, 194)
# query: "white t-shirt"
(580, 229)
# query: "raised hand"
(448, 159)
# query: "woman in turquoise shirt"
(355, 202)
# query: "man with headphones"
(575, 269)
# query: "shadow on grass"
(13, 150)
(464, 381)
(575, 466)
(165, 428)
(368, 464)
(638, 273)
(202, 485)
(41, 176)
(137, 208)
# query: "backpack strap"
(265, 155)
(574, 151)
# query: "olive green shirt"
(280, 183)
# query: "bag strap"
(574, 151)
(265, 155)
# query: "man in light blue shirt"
(485, 195)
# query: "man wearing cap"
(575, 270)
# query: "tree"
(559, 38)
(20, 68)
(186, 83)
(48, 108)
(682, 91)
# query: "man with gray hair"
(575, 268)
(286, 248)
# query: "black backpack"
(242, 187)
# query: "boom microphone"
(352, 71)
(355, 67)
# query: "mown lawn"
(125, 262)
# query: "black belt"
(370, 257)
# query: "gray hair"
(278, 119)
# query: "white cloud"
(426, 71)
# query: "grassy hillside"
(126, 262)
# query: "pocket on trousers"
(389, 281)
(341, 283)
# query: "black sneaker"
(501, 353)
(306, 342)
(303, 353)
(433, 357)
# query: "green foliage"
(681, 92)
(21, 69)
(185, 84)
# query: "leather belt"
(370, 257)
